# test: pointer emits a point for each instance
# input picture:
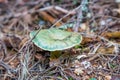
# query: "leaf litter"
(96, 58)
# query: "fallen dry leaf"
(49, 18)
(78, 71)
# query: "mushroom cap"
(55, 39)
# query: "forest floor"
(96, 58)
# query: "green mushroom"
(55, 39)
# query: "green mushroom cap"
(54, 39)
